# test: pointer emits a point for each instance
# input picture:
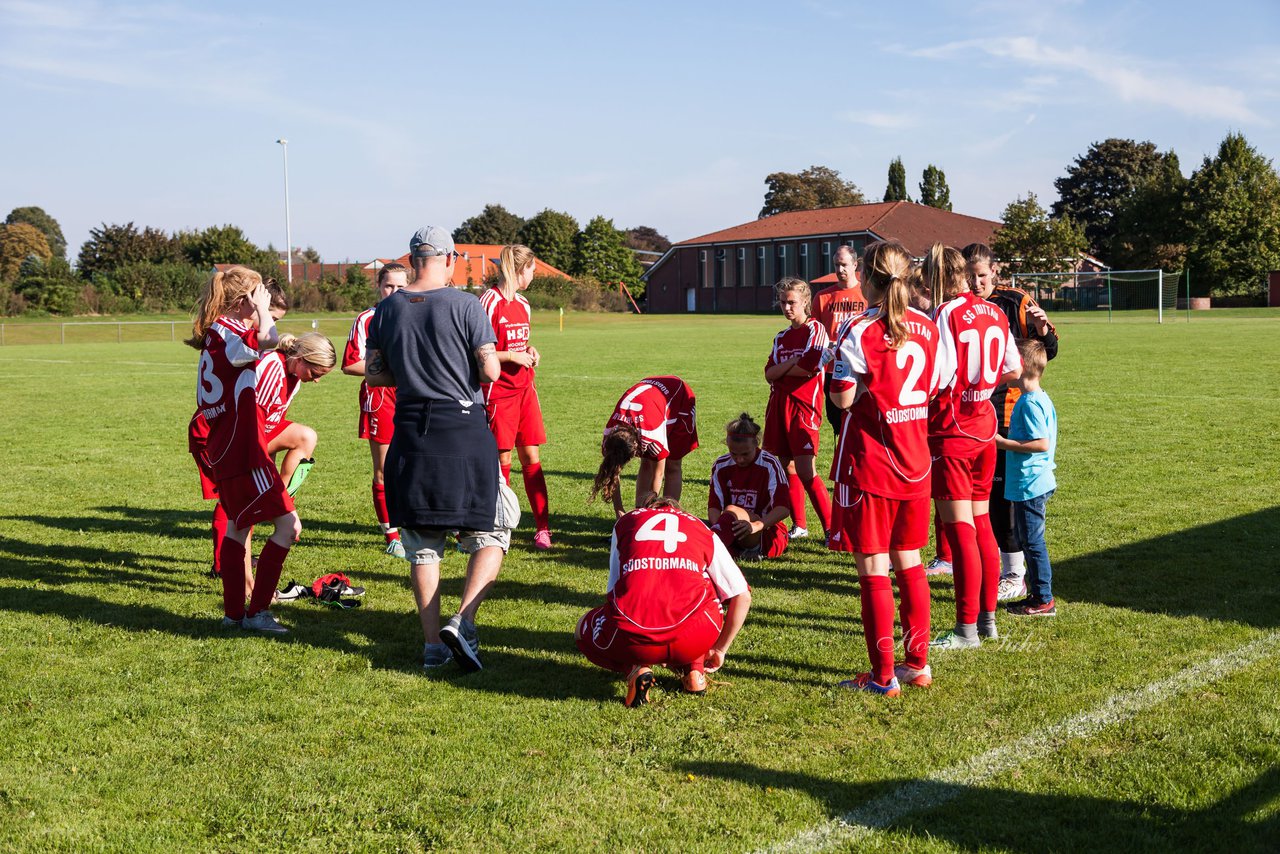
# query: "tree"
(550, 235)
(934, 191)
(896, 191)
(1100, 182)
(494, 225)
(815, 187)
(112, 246)
(1236, 238)
(1152, 228)
(18, 242)
(1032, 241)
(47, 225)
(600, 251)
(647, 239)
(309, 256)
(227, 244)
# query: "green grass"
(132, 722)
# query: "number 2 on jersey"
(910, 395)
(663, 528)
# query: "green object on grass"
(299, 475)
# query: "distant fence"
(139, 331)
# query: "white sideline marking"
(945, 785)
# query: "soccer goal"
(1104, 290)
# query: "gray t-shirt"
(428, 339)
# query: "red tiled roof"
(915, 226)
(480, 260)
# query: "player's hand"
(260, 298)
(714, 660)
(537, 357)
(524, 360)
(1039, 319)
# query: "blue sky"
(660, 114)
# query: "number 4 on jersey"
(663, 528)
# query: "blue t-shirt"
(1029, 476)
(429, 339)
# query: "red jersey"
(975, 349)
(758, 488)
(834, 305)
(510, 321)
(807, 342)
(372, 399)
(664, 565)
(276, 389)
(884, 440)
(656, 406)
(226, 396)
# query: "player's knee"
(307, 440)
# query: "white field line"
(945, 785)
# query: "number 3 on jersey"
(208, 386)
(663, 528)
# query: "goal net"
(1152, 291)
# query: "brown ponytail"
(621, 445)
(742, 427)
(219, 294)
(886, 269)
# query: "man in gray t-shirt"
(435, 345)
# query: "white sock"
(1012, 565)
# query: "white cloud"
(881, 121)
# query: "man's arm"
(376, 371)
(487, 363)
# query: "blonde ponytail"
(886, 269)
(511, 263)
(311, 347)
(219, 294)
(944, 270)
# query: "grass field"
(133, 723)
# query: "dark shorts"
(442, 467)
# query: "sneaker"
(952, 640)
(229, 623)
(263, 621)
(293, 590)
(938, 566)
(461, 637)
(988, 631)
(694, 682)
(435, 655)
(395, 548)
(921, 678)
(864, 682)
(1031, 608)
(1011, 587)
(542, 540)
(797, 533)
(639, 681)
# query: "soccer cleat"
(395, 548)
(938, 566)
(988, 631)
(462, 638)
(1031, 608)
(1011, 587)
(797, 533)
(952, 640)
(292, 591)
(542, 540)
(864, 682)
(264, 621)
(639, 681)
(230, 623)
(921, 678)
(694, 682)
(752, 555)
(435, 655)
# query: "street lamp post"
(288, 231)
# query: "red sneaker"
(921, 678)
(864, 682)
(1027, 608)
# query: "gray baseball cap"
(430, 240)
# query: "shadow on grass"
(973, 818)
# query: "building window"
(762, 267)
(804, 261)
(827, 266)
(740, 274)
(718, 273)
(702, 269)
(780, 268)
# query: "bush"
(581, 294)
(146, 286)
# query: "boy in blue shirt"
(1029, 482)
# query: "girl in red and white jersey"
(795, 410)
(655, 420)
(669, 578)
(377, 405)
(515, 414)
(885, 373)
(297, 359)
(249, 486)
(748, 503)
(976, 352)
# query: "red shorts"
(516, 419)
(682, 436)
(379, 426)
(964, 478)
(617, 645)
(774, 540)
(872, 524)
(208, 489)
(273, 430)
(791, 428)
(255, 496)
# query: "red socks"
(535, 487)
(943, 546)
(913, 593)
(795, 490)
(877, 624)
(821, 501)
(966, 569)
(990, 553)
(231, 555)
(270, 565)
(723, 528)
(506, 472)
(380, 510)
(219, 528)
